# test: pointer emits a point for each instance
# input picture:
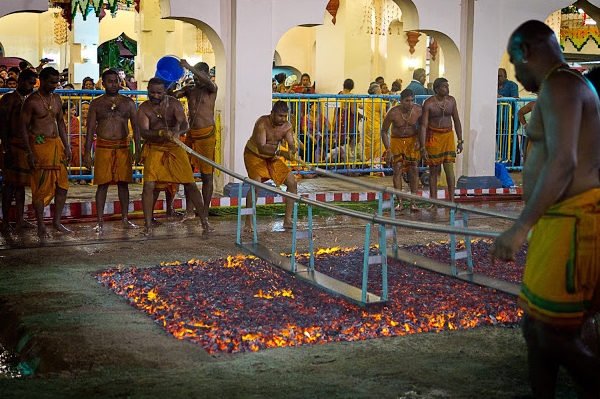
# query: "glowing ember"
(243, 304)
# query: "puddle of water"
(8, 365)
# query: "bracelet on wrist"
(460, 142)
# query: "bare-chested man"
(161, 120)
(561, 188)
(262, 157)
(108, 118)
(201, 137)
(44, 135)
(439, 111)
(406, 144)
(15, 170)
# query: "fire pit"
(241, 303)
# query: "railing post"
(294, 228)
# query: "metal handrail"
(348, 212)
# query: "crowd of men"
(37, 149)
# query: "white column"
(84, 48)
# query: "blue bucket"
(169, 70)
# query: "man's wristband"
(460, 142)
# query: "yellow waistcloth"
(440, 146)
(203, 141)
(264, 167)
(406, 150)
(51, 171)
(562, 271)
(16, 172)
(166, 163)
(112, 161)
(170, 187)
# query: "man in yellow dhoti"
(161, 120)
(262, 157)
(44, 135)
(404, 147)
(561, 187)
(108, 118)
(201, 136)
(439, 111)
(15, 169)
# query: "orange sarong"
(562, 272)
(406, 150)
(16, 172)
(112, 161)
(203, 141)
(440, 146)
(166, 163)
(50, 171)
(264, 167)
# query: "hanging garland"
(203, 45)
(579, 37)
(60, 28)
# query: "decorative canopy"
(70, 7)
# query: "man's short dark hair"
(27, 74)
(202, 67)
(279, 106)
(503, 72)
(438, 82)
(47, 72)
(14, 69)
(396, 86)
(10, 80)
(348, 84)
(418, 73)
(23, 65)
(157, 81)
(109, 72)
(406, 93)
(379, 78)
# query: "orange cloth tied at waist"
(433, 130)
(15, 169)
(264, 167)
(112, 161)
(166, 163)
(203, 141)
(50, 171)
(562, 272)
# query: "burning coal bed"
(242, 303)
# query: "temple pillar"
(83, 48)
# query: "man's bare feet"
(288, 224)
(146, 231)
(248, 228)
(414, 208)
(60, 227)
(5, 227)
(207, 226)
(128, 225)
(188, 216)
(98, 228)
(43, 232)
